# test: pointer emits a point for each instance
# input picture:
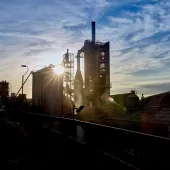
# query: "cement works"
(57, 97)
(92, 91)
(62, 94)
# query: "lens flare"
(111, 99)
(58, 70)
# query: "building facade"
(47, 91)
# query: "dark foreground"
(31, 142)
(33, 146)
(20, 150)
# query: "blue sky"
(38, 32)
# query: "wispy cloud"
(38, 32)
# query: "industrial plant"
(84, 94)
(64, 91)
(95, 88)
(61, 94)
(62, 102)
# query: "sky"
(38, 33)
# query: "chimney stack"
(93, 31)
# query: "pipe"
(93, 31)
(78, 63)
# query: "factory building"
(95, 88)
(47, 91)
(4, 89)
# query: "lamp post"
(23, 79)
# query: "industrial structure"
(4, 89)
(90, 89)
(68, 75)
(47, 91)
(22, 97)
(95, 89)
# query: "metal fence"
(137, 149)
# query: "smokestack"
(93, 31)
(67, 56)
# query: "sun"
(58, 70)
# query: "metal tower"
(68, 64)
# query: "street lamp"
(23, 79)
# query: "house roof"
(154, 100)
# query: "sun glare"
(58, 70)
(111, 99)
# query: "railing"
(138, 149)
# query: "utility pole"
(22, 87)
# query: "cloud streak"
(39, 32)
